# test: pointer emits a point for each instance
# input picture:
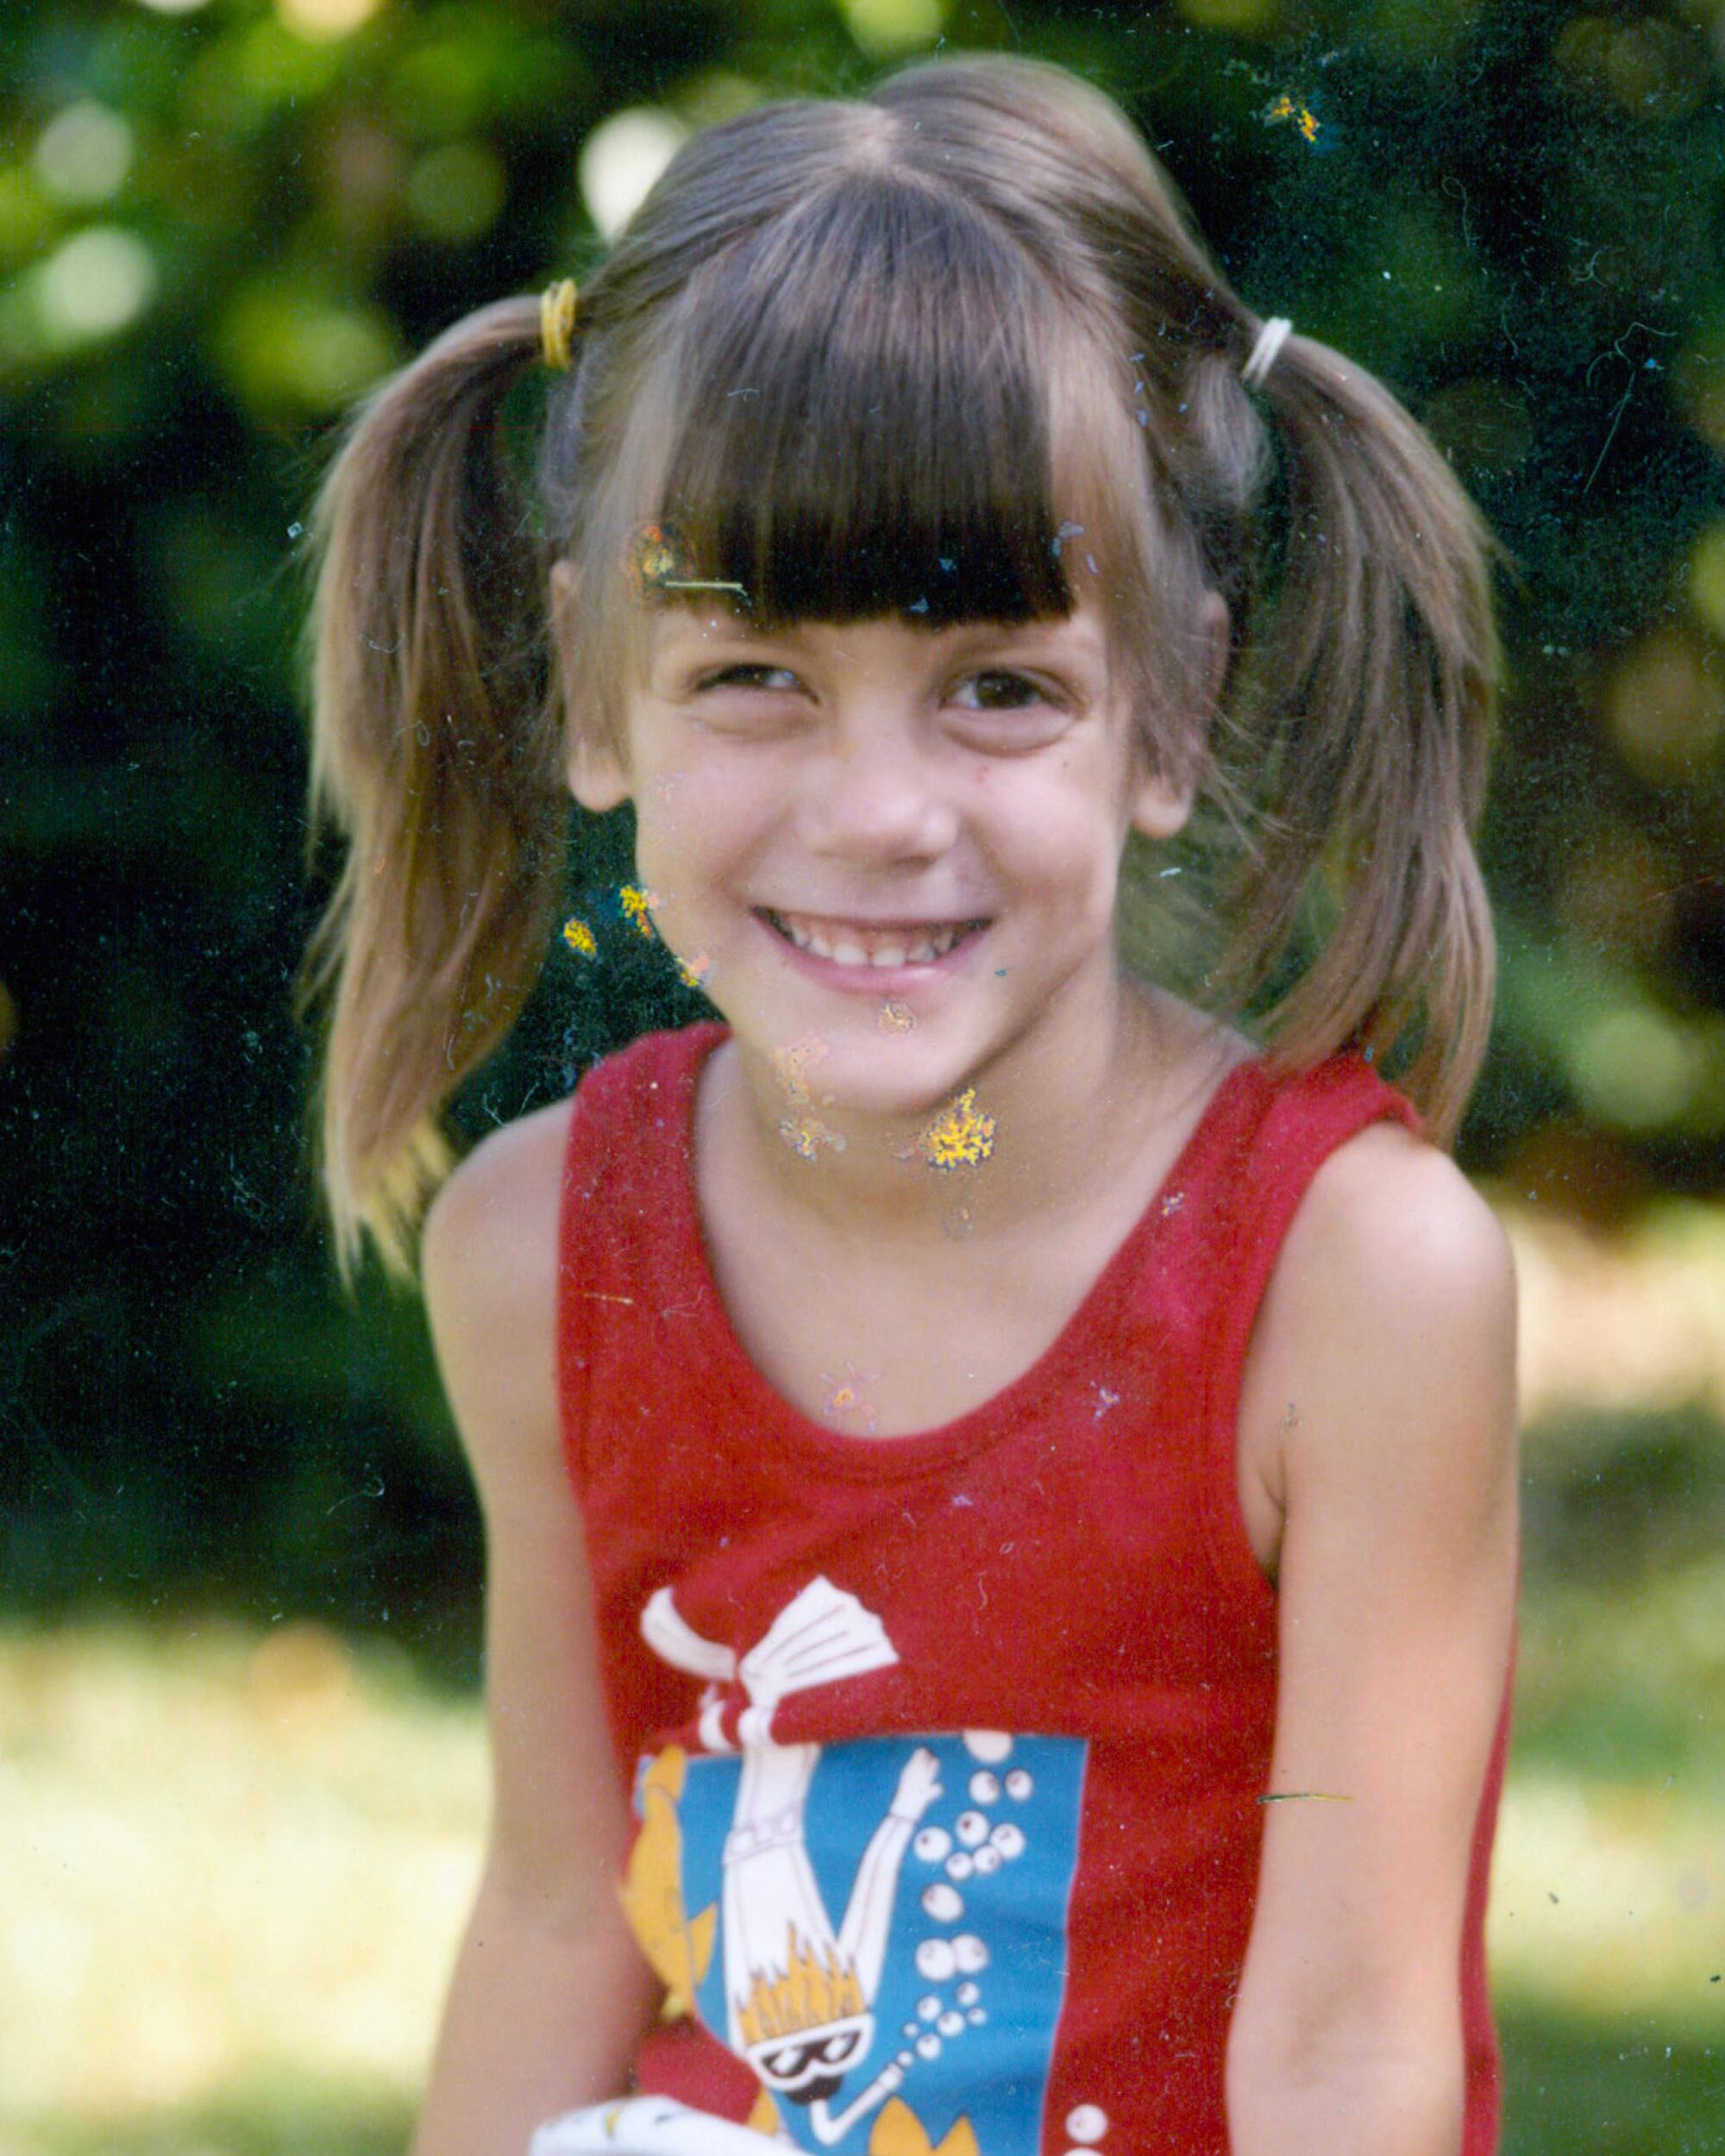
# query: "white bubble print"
(960, 1865)
(936, 1960)
(928, 2009)
(929, 2046)
(944, 1903)
(951, 2024)
(985, 1788)
(906, 2058)
(1019, 1785)
(972, 1828)
(968, 1953)
(933, 1843)
(1007, 1839)
(1089, 2122)
(968, 1994)
(910, 2028)
(989, 1747)
(976, 2017)
(988, 1859)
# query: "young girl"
(998, 1493)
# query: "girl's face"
(888, 854)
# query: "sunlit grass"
(234, 1867)
(1608, 1902)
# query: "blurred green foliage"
(219, 220)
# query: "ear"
(1160, 805)
(596, 775)
(593, 767)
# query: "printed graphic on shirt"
(878, 1927)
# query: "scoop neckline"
(778, 1433)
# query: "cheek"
(1060, 843)
(696, 828)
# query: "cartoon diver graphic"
(799, 1993)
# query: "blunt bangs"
(863, 422)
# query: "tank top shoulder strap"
(626, 1173)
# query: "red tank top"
(946, 1749)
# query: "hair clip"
(1270, 340)
(557, 323)
(659, 560)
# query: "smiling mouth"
(851, 944)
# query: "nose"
(877, 802)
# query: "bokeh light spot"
(1699, 378)
(620, 161)
(456, 193)
(1230, 15)
(1633, 1068)
(1707, 577)
(93, 286)
(321, 19)
(1615, 894)
(1665, 707)
(287, 351)
(84, 153)
(25, 217)
(718, 95)
(1651, 70)
(894, 26)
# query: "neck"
(1068, 1106)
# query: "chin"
(881, 1084)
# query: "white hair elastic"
(1270, 339)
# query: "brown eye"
(998, 690)
(759, 677)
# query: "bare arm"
(1383, 1364)
(549, 1993)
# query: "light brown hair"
(951, 351)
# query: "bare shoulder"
(488, 1265)
(1385, 1350)
(510, 1183)
(1394, 1221)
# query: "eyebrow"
(686, 627)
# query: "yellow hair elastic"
(557, 322)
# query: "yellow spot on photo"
(958, 1136)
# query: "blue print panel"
(888, 1929)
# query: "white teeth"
(845, 952)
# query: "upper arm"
(1381, 1382)
(489, 1267)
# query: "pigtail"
(1361, 732)
(435, 753)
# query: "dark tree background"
(220, 222)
